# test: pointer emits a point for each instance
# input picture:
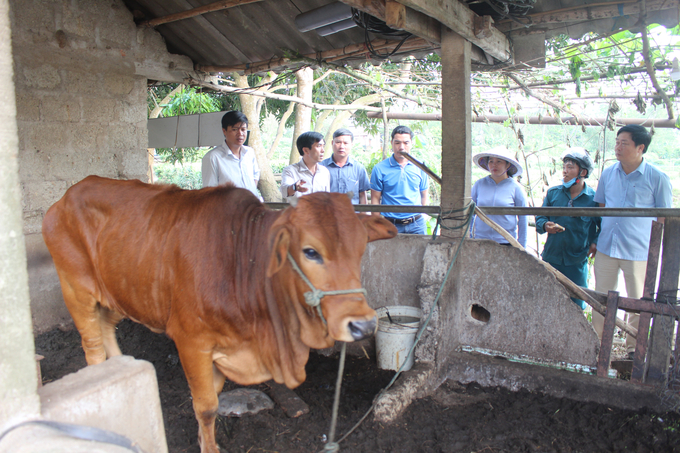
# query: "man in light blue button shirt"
(232, 161)
(623, 244)
(347, 175)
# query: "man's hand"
(301, 186)
(553, 228)
(592, 250)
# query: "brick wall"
(80, 70)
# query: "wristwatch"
(295, 187)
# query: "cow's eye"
(313, 255)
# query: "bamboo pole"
(281, 97)
(572, 288)
(547, 120)
(217, 6)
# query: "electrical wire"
(372, 25)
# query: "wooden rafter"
(217, 6)
(351, 51)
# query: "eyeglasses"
(570, 203)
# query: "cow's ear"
(377, 227)
(279, 251)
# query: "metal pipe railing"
(568, 212)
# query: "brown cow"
(212, 269)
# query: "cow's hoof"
(362, 329)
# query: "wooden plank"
(422, 166)
(461, 19)
(401, 17)
(637, 375)
(662, 326)
(653, 253)
(217, 6)
(607, 334)
(653, 260)
(292, 405)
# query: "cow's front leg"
(198, 368)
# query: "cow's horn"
(350, 194)
(293, 201)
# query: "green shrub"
(185, 177)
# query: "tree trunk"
(303, 114)
(154, 114)
(268, 187)
(280, 129)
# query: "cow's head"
(327, 239)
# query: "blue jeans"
(417, 227)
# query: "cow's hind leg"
(84, 310)
(198, 368)
(109, 319)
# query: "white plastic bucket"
(395, 339)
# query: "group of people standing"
(618, 244)
(394, 181)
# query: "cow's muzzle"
(362, 329)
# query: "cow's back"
(140, 249)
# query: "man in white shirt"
(232, 161)
(306, 176)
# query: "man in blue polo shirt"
(396, 181)
(347, 175)
(623, 244)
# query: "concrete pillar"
(18, 378)
(456, 129)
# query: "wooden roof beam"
(463, 21)
(594, 11)
(424, 18)
(402, 17)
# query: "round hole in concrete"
(480, 313)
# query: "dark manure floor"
(457, 418)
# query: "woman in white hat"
(499, 189)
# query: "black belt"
(405, 221)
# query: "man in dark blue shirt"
(571, 240)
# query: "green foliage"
(186, 177)
(190, 101)
(185, 102)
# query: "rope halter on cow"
(313, 297)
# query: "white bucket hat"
(501, 152)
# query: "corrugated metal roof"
(245, 35)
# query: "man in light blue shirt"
(347, 175)
(623, 244)
(232, 161)
(396, 181)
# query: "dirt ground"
(456, 418)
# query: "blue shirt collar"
(641, 168)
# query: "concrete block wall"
(81, 69)
(497, 298)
